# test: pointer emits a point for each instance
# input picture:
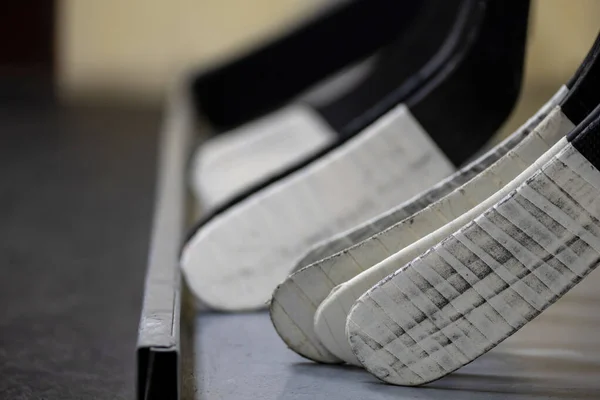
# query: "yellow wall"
(133, 48)
(560, 34)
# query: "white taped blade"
(233, 161)
(236, 260)
(433, 223)
(486, 280)
(384, 221)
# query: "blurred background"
(77, 187)
(129, 51)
